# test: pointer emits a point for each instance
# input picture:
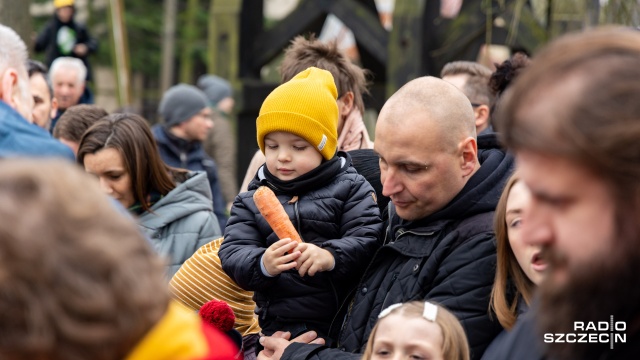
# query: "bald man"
(444, 184)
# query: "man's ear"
(54, 107)
(468, 150)
(482, 113)
(8, 84)
(346, 103)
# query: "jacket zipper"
(183, 159)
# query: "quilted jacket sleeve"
(316, 352)
(243, 247)
(361, 229)
(463, 285)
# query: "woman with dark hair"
(503, 77)
(173, 206)
(519, 267)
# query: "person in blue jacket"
(332, 207)
(19, 137)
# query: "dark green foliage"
(143, 19)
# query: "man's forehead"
(38, 83)
(400, 155)
(66, 74)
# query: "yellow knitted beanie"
(304, 106)
(62, 3)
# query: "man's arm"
(85, 38)
(242, 249)
(315, 352)
(43, 38)
(305, 346)
(360, 228)
(463, 285)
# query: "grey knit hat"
(215, 87)
(180, 103)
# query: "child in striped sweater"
(201, 279)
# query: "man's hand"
(275, 260)
(80, 49)
(275, 344)
(313, 259)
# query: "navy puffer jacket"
(341, 216)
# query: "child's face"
(400, 337)
(289, 156)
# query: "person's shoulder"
(478, 227)
(347, 178)
(158, 132)
(519, 343)
(20, 138)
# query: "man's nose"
(63, 90)
(391, 184)
(536, 226)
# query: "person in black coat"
(332, 207)
(439, 244)
(63, 36)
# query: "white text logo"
(600, 332)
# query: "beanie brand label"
(323, 142)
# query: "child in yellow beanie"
(302, 287)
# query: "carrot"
(274, 213)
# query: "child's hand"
(313, 259)
(275, 261)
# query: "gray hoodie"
(182, 221)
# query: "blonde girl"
(419, 331)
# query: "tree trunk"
(189, 38)
(15, 14)
(168, 44)
(120, 52)
(224, 39)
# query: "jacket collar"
(175, 144)
(314, 179)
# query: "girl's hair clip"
(389, 309)
(430, 311)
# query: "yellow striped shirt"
(201, 279)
